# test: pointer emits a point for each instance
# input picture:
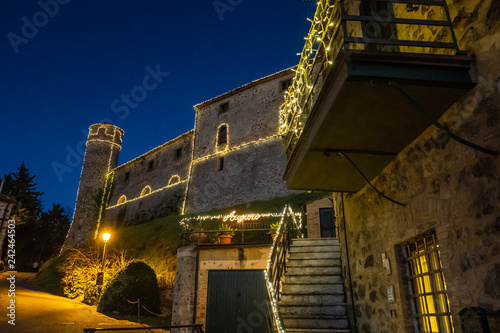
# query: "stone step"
(314, 255)
(315, 241)
(317, 330)
(313, 279)
(314, 248)
(311, 270)
(313, 262)
(313, 310)
(300, 299)
(329, 322)
(315, 289)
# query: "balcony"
(373, 75)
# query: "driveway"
(37, 311)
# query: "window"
(222, 137)
(127, 176)
(220, 164)
(122, 200)
(428, 287)
(151, 165)
(178, 153)
(175, 179)
(146, 191)
(223, 108)
(284, 85)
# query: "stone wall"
(313, 220)
(253, 158)
(184, 291)
(165, 170)
(448, 188)
(101, 156)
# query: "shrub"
(136, 281)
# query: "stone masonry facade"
(450, 190)
(233, 155)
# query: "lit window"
(122, 200)
(223, 108)
(146, 191)
(428, 287)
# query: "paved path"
(41, 312)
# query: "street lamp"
(105, 237)
(100, 275)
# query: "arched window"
(175, 179)
(122, 200)
(222, 137)
(146, 191)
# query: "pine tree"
(51, 232)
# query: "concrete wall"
(449, 189)
(254, 158)
(312, 214)
(167, 179)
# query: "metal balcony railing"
(392, 26)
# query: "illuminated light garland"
(233, 217)
(175, 179)
(146, 190)
(147, 195)
(185, 220)
(155, 149)
(292, 117)
(122, 200)
(259, 141)
(109, 180)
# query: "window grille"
(429, 298)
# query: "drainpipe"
(349, 265)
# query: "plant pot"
(198, 237)
(225, 239)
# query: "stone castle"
(233, 155)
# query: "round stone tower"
(101, 156)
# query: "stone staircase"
(313, 297)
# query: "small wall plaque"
(390, 294)
(386, 263)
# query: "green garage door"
(237, 302)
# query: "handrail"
(388, 26)
(288, 229)
(196, 328)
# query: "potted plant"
(273, 230)
(225, 234)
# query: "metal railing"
(391, 26)
(289, 228)
(196, 328)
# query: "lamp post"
(105, 237)
(100, 275)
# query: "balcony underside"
(361, 114)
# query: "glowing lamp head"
(106, 236)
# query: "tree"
(20, 185)
(51, 232)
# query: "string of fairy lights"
(269, 285)
(317, 50)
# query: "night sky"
(75, 62)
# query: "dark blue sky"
(63, 71)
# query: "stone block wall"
(165, 170)
(249, 174)
(254, 157)
(449, 189)
(101, 156)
